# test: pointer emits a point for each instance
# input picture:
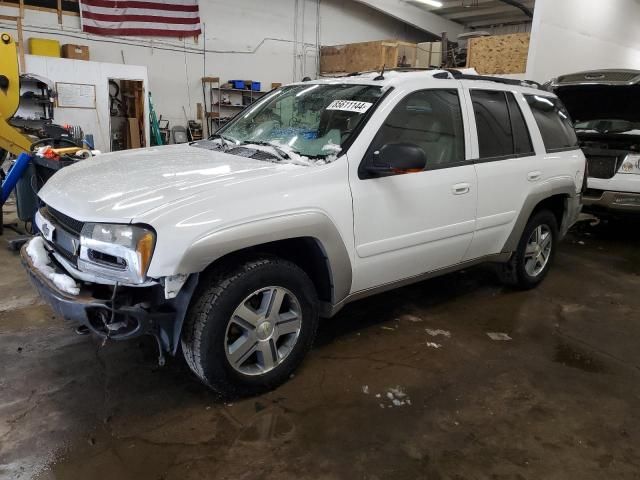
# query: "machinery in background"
(27, 132)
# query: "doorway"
(126, 113)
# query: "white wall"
(94, 121)
(573, 35)
(244, 39)
(416, 16)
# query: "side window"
(521, 139)
(430, 119)
(492, 123)
(554, 123)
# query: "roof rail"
(488, 78)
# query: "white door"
(506, 164)
(407, 224)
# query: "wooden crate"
(366, 56)
(499, 54)
(429, 54)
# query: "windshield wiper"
(263, 143)
(223, 140)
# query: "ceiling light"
(433, 3)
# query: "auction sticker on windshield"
(349, 106)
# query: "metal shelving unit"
(218, 113)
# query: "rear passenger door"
(506, 165)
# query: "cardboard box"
(77, 52)
(44, 47)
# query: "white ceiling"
(476, 14)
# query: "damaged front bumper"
(117, 313)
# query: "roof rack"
(488, 78)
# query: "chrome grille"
(66, 236)
(71, 224)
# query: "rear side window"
(502, 130)
(521, 139)
(554, 123)
(492, 122)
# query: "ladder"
(156, 137)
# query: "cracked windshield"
(302, 124)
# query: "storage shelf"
(237, 90)
(213, 89)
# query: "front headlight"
(631, 164)
(118, 252)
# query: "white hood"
(120, 186)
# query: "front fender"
(317, 225)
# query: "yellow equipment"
(11, 139)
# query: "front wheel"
(249, 330)
(531, 261)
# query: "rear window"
(554, 123)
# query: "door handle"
(460, 188)
(534, 176)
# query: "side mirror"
(397, 158)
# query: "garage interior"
(455, 377)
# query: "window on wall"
(554, 123)
(430, 119)
(502, 130)
(66, 5)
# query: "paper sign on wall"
(349, 106)
(76, 95)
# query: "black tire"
(514, 273)
(205, 329)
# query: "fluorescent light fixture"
(433, 3)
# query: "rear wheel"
(530, 263)
(249, 330)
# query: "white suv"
(321, 193)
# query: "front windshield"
(608, 125)
(303, 122)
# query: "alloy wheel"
(263, 330)
(538, 250)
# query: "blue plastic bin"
(237, 84)
(255, 86)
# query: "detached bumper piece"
(621, 202)
(117, 313)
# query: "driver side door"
(411, 222)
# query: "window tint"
(554, 123)
(521, 138)
(430, 119)
(492, 123)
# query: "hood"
(121, 186)
(594, 102)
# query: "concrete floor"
(558, 400)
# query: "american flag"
(158, 18)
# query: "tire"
(518, 272)
(235, 341)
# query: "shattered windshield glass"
(303, 124)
